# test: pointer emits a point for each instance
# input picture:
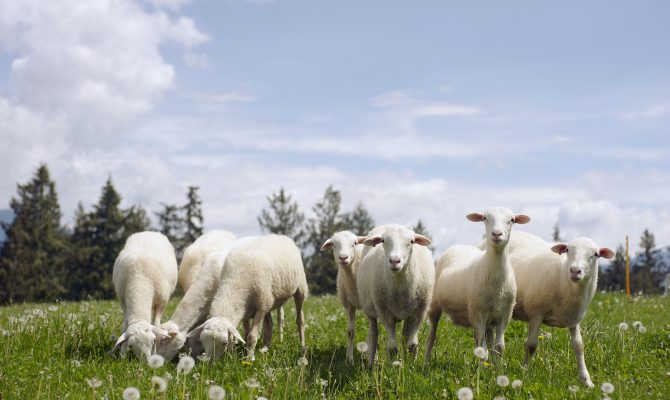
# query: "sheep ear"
(373, 241)
(196, 331)
(560, 248)
(160, 333)
(521, 219)
(327, 244)
(360, 239)
(236, 334)
(606, 253)
(122, 339)
(422, 240)
(475, 217)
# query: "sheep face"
(215, 334)
(140, 337)
(498, 222)
(582, 258)
(168, 347)
(343, 245)
(398, 242)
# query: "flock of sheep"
(228, 281)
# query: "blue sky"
(424, 110)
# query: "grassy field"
(48, 351)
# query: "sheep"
(347, 252)
(555, 285)
(395, 283)
(476, 288)
(144, 277)
(196, 252)
(256, 278)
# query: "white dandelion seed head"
(481, 353)
(323, 382)
(573, 388)
(642, 329)
(465, 393)
(547, 335)
(159, 384)
(264, 349)
(204, 357)
(131, 393)
(623, 326)
(261, 398)
(397, 363)
(499, 398)
(156, 360)
(252, 383)
(94, 383)
(517, 383)
(216, 392)
(4, 332)
(53, 308)
(302, 362)
(185, 365)
(502, 380)
(637, 324)
(607, 388)
(362, 347)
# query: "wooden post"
(627, 270)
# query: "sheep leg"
(499, 347)
(280, 323)
(410, 330)
(351, 333)
(267, 329)
(434, 317)
(373, 337)
(252, 337)
(488, 336)
(299, 299)
(392, 343)
(247, 328)
(158, 313)
(578, 348)
(531, 343)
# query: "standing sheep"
(196, 252)
(144, 276)
(395, 283)
(555, 285)
(477, 288)
(257, 277)
(347, 252)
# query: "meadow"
(54, 351)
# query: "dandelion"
(541, 337)
(642, 329)
(4, 332)
(573, 388)
(481, 353)
(94, 383)
(75, 363)
(323, 382)
(204, 357)
(156, 361)
(499, 398)
(216, 393)
(623, 326)
(53, 308)
(185, 365)
(261, 398)
(264, 349)
(607, 388)
(465, 393)
(516, 383)
(362, 347)
(547, 335)
(252, 383)
(302, 362)
(270, 372)
(502, 381)
(158, 384)
(131, 393)
(637, 324)
(397, 363)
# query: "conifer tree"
(645, 276)
(614, 277)
(421, 229)
(193, 227)
(283, 217)
(170, 223)
(556, 235)
(359, 221)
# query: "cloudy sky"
(422, 109)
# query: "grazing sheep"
(196, 252)
(395, 283)
(347, 252)
(257, 277)
(477, 288)
(555, 285)
(144, 276)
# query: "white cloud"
(654, 111)
(225, 97)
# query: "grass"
(48, 351)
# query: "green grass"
(51, 352)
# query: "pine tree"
(359, 221)
(556, 235)
(614, 277)
(645, 277)
(194, 220)
(321, 269)
(170, 223)
(420, 228)
(32, 257)
(283, 217)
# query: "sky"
(421, 110)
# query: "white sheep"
(257, 277)
(476, 288)
(555, 285)
(347, 252)
(196, 252)
(144, 277)
(395, 283)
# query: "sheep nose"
(394, 260)
(343, 258)
(575, 270)
(496, 234)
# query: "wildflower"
(499, 398)
(185, 365)
(158, 384)
(302, 362)
(573, 388)
(481, 353)
(502, 380)
(487, 364)
(246, 362)
(323, 382)
(91, 326)
(204, 357)
(270, 372)
(216, 393)
(362, 347)
(642, 329)
(623, 326)
(637, 324)
(516, 383)
(541, 337)
(53, 308)
(397, 363)
(261, 398)
(156, 361)
(131, 393)
(465, 393)
(607, 388)
(264, 349)
(94, 383)
(75, 363)
(4, 332)
(547, 335)
(168, 376)
(444, 393)
(252, 383)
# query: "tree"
(283, 217)
(32, 257)
(321, 269)
(614, 277)
(359, 221)
(194, 220)
(556, 235)
(645, 276)
(170, 223)
(420, 228)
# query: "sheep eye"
(596, 254)
(411, 242)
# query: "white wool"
(196, 253)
